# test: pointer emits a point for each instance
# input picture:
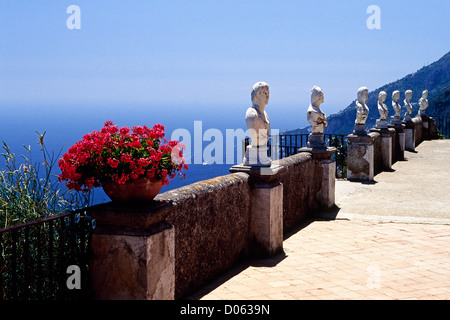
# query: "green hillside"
(435, 78)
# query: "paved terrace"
(389, 239)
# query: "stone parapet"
(133, 252)
(398, 142)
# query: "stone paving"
(356, 254)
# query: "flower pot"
(139, 190)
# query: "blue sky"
(210, 52)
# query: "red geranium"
(121, 155)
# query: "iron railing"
(443, 126)
(285, 145)
(35, 256)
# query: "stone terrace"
(387, 239)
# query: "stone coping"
(201, 187)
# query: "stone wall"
(418, 130)
(300, 188)
(377, 153)
(211, 218)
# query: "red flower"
(124, 130)
(126, 158)
(120, 154)
(114, 163)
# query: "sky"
(203, 56)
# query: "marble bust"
(408, 106)
(423, 103)
(395, 105)
(317, 119)
(362, 111)
(383, 110)
(258, 125)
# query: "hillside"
(435, 78)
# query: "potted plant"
(130, 164)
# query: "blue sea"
(65, 124)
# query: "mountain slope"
(435, 78)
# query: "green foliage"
(31, 191)
(440, 104)
(34, 258)
(340, 157)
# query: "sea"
(64, 124)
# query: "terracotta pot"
(139, 190)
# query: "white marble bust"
(362, 111)
(408, 106)
(395, 105)
(258, 125)
(423, 102)
(382, 108)
(316, 118)
(256, 117)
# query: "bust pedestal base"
(257, 156)
(322, 157)
(398, 142)
(360, 158)
(410, 141)
(266, 215)
(387, 135)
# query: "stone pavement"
(385, 240)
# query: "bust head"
(408, 95)
(316, 96)
(260, 94)
(395, 95)
(363, 94)
(382, 96)
(425, 94)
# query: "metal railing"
(35, 256)
(443, 126)
(285, 145)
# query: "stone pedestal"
(266, 213)
(360, 129)
(327, 167)
(316, 141)
(381, 124)
(398, 142)
(360, 158)
(133, 252)
(257, 156)
(407, 118)
(410, 136)
(387, 135)
(395, 121)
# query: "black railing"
(443, 126)
(282, 146)
(35, 256)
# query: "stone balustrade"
(374, 152)
(185, 237)
(203, 229)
